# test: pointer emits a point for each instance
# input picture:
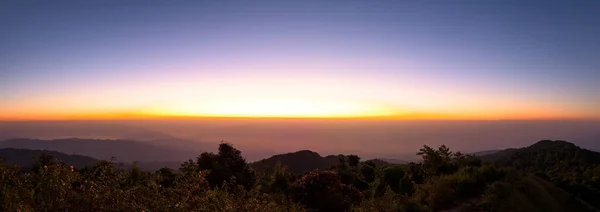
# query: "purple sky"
(469, 59)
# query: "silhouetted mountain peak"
(550, 144)
(538, 147)
(304, 161)
(297, 162)
(304, 153)
(546, 154)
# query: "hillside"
(546, 155)
(26, 157)
(297, 162)
(304, 161)
(566, 165)
(392, 161)
(482, 153)
(441, 181)
(523, 192)
(104, 149)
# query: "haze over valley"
(175, 140)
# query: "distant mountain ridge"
(47, 130)
(104, 149)
(151, 157)
(543, 146)
(26, 157)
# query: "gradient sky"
(412, 59)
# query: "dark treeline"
(224, 181)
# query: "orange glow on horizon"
(145, 115)
(279, 108)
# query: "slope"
(566, 165)
(526, 193)
(304, 161)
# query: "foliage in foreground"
(225, 182)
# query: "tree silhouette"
(353, 160)
(228, 164)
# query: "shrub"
(323, 191)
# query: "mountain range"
(104, 149)
(555, 175)
(26, 157)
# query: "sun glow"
(276, 108)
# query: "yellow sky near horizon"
(274, 97)
(300, 59)
(278, 98)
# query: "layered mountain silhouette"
(546, 176)
(26, 157)
(104, 149)
(97, 130)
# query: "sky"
(327, 59)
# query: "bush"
(447, 190)
(323, 191)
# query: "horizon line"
(370, 118)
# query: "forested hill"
(566, 165)
(223, 181)
(304, 161)
(562, 151)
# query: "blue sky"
(469, 58)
